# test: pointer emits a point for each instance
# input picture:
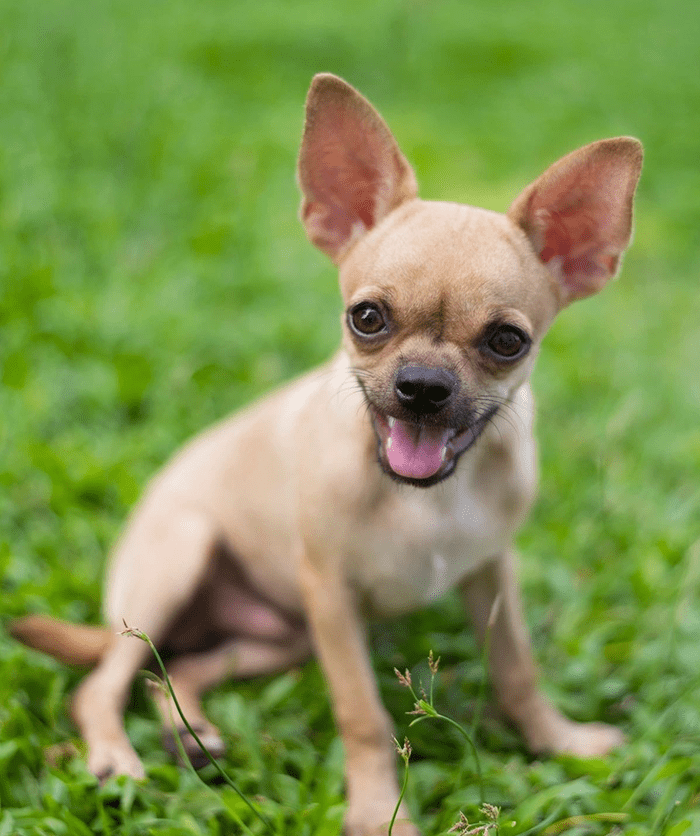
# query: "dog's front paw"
(587, 740)
(402, 827)
(111, 758)
(546, 730)
(371, 817)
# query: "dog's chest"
(420, 546)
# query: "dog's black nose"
(424, 390)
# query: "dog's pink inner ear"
(578, 214)
(351, 170)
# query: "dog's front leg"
(493, 599)
(364, 725)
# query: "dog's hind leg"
(156, 570)
(194, 674)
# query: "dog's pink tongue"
(415, 452)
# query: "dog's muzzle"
(415, 445)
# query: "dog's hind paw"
(210, 740)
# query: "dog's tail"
(73, 644)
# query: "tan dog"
(377, 482)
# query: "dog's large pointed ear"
(351, 170)
(578, 214)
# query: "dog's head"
(445, 304)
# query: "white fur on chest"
(427, 541)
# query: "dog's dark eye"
(508, 343)
(366, 319)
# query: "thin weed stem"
(477, 763)
(425, 710)
(481, 695)
(139, 634)
(405, 753)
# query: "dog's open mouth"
(422, 454)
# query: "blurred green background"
(154, 276)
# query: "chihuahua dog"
(372, 485)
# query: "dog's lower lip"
(456, 442)
(433, 448)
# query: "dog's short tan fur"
(280, 528)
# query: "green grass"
(153, 277)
